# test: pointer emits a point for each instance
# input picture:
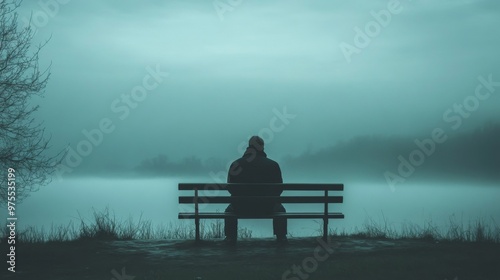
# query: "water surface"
(156, 200)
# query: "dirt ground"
(302, 258)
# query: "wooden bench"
(218, 194)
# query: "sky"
(297, 72)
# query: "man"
(255, 167)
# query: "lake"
(156, 199)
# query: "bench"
(218, 194)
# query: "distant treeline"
(473, 155)
(161, 165)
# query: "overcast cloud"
(227, 76)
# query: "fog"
(387, 96)
(229, 72)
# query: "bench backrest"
(210, 193)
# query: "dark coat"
(254, 167)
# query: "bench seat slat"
(281, 199)
(286, 186)
(297, 215)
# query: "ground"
(303, 258)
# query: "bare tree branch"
(22, 142)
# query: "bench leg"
(325, 219)
(325, 230)
(197, 232)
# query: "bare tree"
(22, 142)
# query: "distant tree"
(22, 142)
(161, 165)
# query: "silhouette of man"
(255, 167)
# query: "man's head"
(256, 143)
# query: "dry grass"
(473, 231)
(105, 226)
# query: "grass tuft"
(104, 226)
(478, 231)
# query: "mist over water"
(156, 199)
